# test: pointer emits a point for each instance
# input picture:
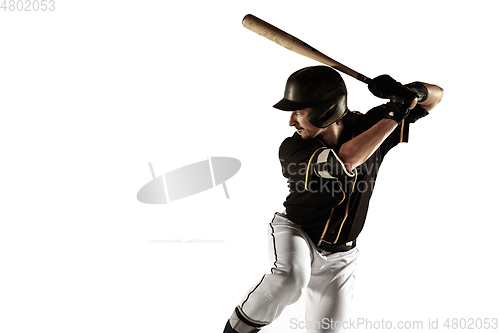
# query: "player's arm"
(429, 95)
(402, 99)
(434, 96)
(357, 150)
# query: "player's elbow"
(349, 159)
(440, 93)
(352, 156)
(435, 95)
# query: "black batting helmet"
(318, 87)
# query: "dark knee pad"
(240, 323)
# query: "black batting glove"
(396, 112)
(401, 97)
(384, 86)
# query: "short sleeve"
(373, 116)
(417, 113)
(297, 158)
(399, 135)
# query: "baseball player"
(331, 164)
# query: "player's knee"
(295, 279)
(292, 284)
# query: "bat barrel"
(294, 44)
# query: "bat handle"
(363, 78)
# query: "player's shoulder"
(295, 143)
(360, 122)
(353, 117)
(295, 137)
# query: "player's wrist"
(420, 89)
(384, 86)
(396, 111)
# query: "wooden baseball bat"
(294, 44)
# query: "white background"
(93, 91)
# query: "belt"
(333, 248)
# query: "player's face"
(300, 120)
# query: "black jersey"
(333, 210)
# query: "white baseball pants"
(296, 265)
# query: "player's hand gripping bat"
(296, 45)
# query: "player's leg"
(290, 257)
(330, 290)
